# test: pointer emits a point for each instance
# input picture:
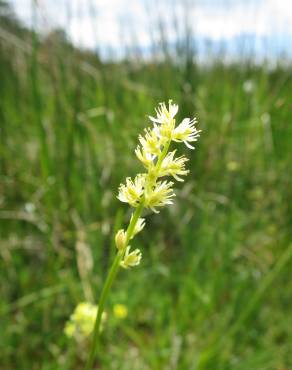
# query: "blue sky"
(112, 23)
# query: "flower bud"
(120, 239)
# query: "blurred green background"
(214, 288)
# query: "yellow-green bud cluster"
(147, 189)
(81, 321)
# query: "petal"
(154, 119)
(189, 145)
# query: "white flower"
(173, 166)
(151, 142)
(131, 258)
(161, 195)
(186, 132)
(165, 115)
(138, 227)
(165, 120)
(145, 157)
(133, 190)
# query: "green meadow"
(213, 290)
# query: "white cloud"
(112, 22)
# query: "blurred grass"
(214, 289)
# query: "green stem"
(162, 155)
(134, 220)
(115, 268)
(105, 291)
(107, 286)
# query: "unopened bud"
(120, 239)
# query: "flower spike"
(146, 190)
(149, 190)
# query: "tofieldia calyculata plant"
(148, 190)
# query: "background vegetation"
(214, 289)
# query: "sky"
(108, 24)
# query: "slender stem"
(108, 283)
(134, 220)
(162, 155)
(107, 286)
(115, 268)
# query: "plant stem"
(115, 268)
(107, 286)
(163, 154)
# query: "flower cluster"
(82, 320)
(147, 190)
